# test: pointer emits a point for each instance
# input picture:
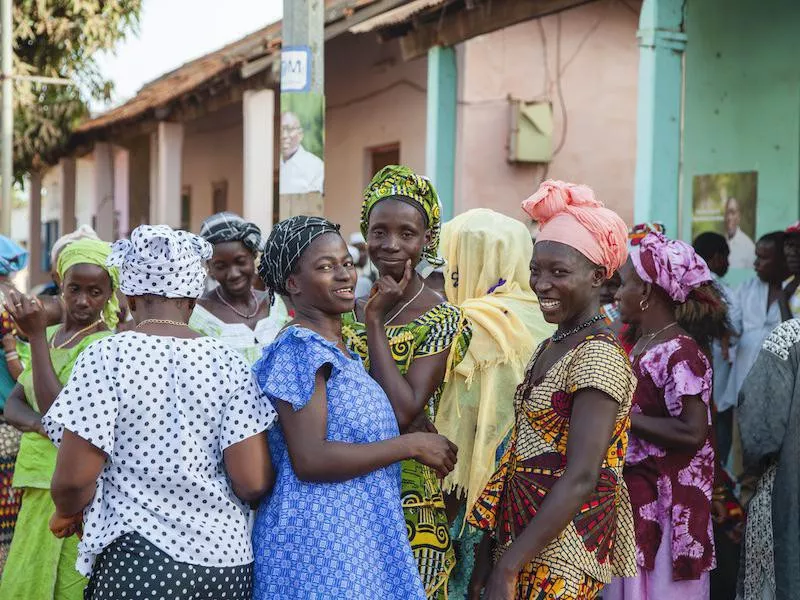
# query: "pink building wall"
(599, 65)
(373, 98)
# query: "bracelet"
(12, 356)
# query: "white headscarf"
(81, 233)
(161, 261)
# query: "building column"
(658, 140)
(36, 275)
(166, 157)
(121, 192)
(440, 142)
(104, 191)
(259, 155)
(67, 221)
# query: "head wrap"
(229, 227)
(357, 238)
(570, 214)
(672, 265)
(161, 261)
(637, 232)
(354, 253)
(285, 245)
(89, 251)
(81, 233)
(416, 190)
(13, 257)
(793, 229)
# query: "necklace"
(650, 337)
(162, 322)
(241, 314)
(62, 345)
(558, 337)
(406, 305)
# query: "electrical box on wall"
(531, 135)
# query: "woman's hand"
(501, 583)
(64, 527)
(386, 293)
(9, 343)
(422, 424)
(28, 313)
(434, 451)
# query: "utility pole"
(6, 119)
(302, 108)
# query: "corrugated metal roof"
(396, 16)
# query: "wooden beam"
(459, 25)
(347, 18)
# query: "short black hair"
(709, 244)
(774, 237)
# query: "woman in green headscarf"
(41, 566)
(410, 339)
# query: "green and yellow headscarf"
(93, 252)
(416, 190)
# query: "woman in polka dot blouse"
(333, 528)
(162, 441)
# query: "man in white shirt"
(301, 171)
(743, 250)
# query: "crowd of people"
(425, 410)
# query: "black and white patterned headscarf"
(230, 227)
(161, 261)
(285, 244)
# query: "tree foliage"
(61, 38)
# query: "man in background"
(301, 171)
(742, 248)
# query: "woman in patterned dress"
(333, 527)
(670, 463)
(234, 312)
(557, 509)
(410, 339)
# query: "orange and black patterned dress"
(598, 543)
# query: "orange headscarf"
(570, 214)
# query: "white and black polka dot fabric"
(163, 409)
(162, 261)
(132, 568)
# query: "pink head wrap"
(570, 214)
(672, 265)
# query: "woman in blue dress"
(333, 526)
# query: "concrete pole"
(68, 191)
(259, 149)
(7, 124)
(36, 275)
(303, 94)
(440, 141)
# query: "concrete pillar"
(67, 167)
(440, 143)
(658, 144)
(259, 149)
(166, 158)
(121, 192)
(36, 275)
(104, 191)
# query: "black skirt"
(131, 567)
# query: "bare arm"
(249, 467)
(591, 427)
(78, 466)
(686, 433)
(315, 459)
(19, 413)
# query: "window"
(219, 197)
(381, 156)
(186, 208)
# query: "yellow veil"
(487, 275)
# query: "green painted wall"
(742, 102)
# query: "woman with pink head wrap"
(557, 508)
(668, 298)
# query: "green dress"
(41, 566)
(443, 328)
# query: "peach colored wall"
(373, 98)
(599, 65)
(212, 151)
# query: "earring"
(643, 304)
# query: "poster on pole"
(302, 143)
(726, 203)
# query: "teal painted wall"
(742, 103)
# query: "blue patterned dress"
(314, 541)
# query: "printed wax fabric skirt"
(133, 568)
(9, 497)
